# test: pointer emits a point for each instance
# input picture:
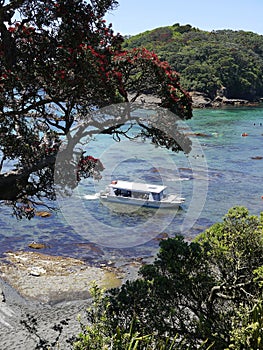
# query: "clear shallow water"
(218, 174)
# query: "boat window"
(117, 192)
(156, 196)
(140, 195)
(126, 193)
(123, 193)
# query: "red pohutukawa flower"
(89, 166)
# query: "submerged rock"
(35, 245)
(43, 214)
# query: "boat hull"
(140, 202)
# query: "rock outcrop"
(201, 100)
(52, 279)
(224, 101)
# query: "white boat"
(140, 194)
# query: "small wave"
(91, 196)
(180, 179)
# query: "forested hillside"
(222, 61)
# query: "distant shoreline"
(200, 100)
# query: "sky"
(136, 16)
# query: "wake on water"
(91, 196)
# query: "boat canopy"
(137, 186)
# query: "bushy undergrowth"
(206, 294)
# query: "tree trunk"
(13, 183)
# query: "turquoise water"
(219, 173)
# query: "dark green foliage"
(196, 290)
(170, 297)
(236, 253)
(97, 335)
(209, 60)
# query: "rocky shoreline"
(201, 100)
(52, 279)
(39, 291)
(24, 324)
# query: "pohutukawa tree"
(60, 61)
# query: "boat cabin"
(137, 190)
